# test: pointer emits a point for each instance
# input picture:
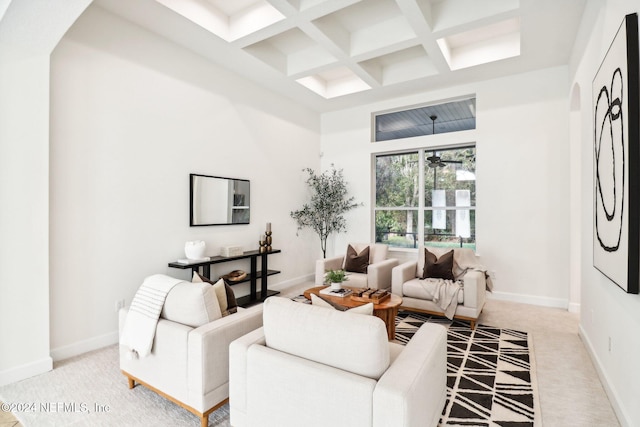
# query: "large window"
(426, 196)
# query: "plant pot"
(336, 286)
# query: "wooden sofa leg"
(473, 325)
(131, 382)
(204, 420)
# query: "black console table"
(254, 296)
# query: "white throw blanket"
(139, 327)
(444, 294)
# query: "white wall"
(610, 318)
(132, 115)
(24, 174)
(522, 142)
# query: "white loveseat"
(378, 275)
(190, 365)
(406, 283)
(314, 366)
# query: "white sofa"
(190, 365)
(406, 278)
(378, 274)
(315, 366)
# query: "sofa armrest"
(208, 348)
(413, 390)
(379, 274)
(475, 288)
(400, 274)
(322, 265)
(238, 373)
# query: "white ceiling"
(333, 54)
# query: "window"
(426, 196)
(425, 120)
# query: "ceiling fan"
(436, 161)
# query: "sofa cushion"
(356, 262)
(438, 268)
(361, 309)
(347, 341)
(224, 293)
(191, 304)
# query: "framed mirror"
(216, 200)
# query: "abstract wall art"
(616, 169)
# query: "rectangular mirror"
(216, 200)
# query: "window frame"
(421, 208)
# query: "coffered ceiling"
(331, 54)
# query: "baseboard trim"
(84, 346)
(529, 299)
(25, 371)
(292, 283)
(623, 419)
(574, 307)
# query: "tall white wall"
(24, 175)
(522, 140)
(132, 115)
(610, 318)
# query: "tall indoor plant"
(324, 214)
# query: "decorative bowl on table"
(235, 276)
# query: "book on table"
(342, 292)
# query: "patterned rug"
(491, 379)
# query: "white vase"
(336, 286)
(195, 249)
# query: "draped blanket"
(139, 328)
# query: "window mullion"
(421, 196)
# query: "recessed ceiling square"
(229, 20)
(333, 83)
(366, 26)
(291, 52)
(404, 65)
(482, 45)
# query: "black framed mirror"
(216, 200)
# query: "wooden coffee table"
(386, 310)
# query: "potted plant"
(324, 214)
(335, 278)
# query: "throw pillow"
(356, 262)
(192, 304)
(438, 268)
(362, 309)
(224, 293)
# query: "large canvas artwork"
(616, 240)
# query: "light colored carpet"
(80, 383)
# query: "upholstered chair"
(421, 293)
(189, 360)
(372, 271)
(312, 366)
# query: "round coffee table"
(386, 310)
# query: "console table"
(254, 296)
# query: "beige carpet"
(80, 385)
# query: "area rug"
(491, 379)
(490, 371)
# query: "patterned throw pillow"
(226, 297)
(438, 268)
(356, 262)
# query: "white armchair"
(344, 373)
(190, 365)
(407, 277)
(378, 272)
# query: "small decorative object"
(262, 241)
(268, 238)
(616, 132)
(335, 278)
(228, 251)
(235, 276)
(324, 214)
(195, 249)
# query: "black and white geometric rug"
(491, 378)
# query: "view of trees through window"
(426, 196)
